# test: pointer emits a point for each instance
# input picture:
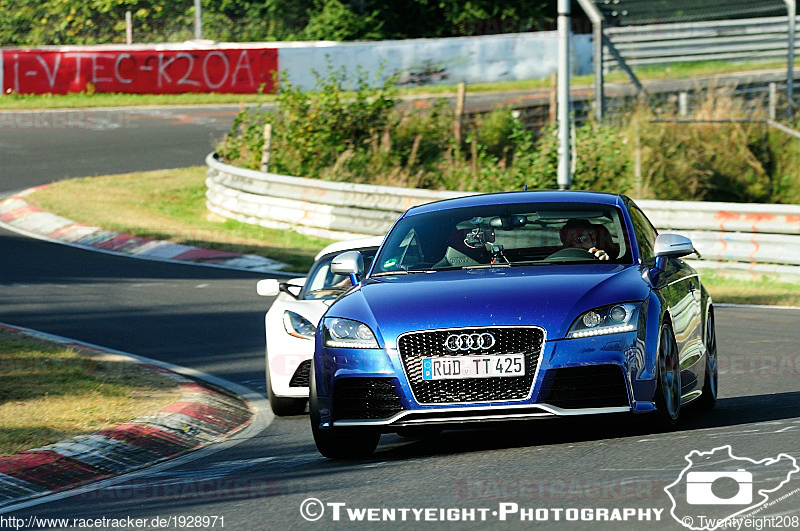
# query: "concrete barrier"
(738, 239)
(200, 66)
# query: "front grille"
(414, 346)
(300, 376)
(584, 387)
(365, 398)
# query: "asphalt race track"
(211, 320)
(42, 146)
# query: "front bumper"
(466, 414)
(603, 375)
(289, 361)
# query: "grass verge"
(51, 393)
(762, 291)
(82, 100)
(101, 99)
(170, 205)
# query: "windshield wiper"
(402, 272)
(530, 263)
(485, 266)
(389, 273)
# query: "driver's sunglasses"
(578, 240)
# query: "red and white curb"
(203, 415)
(18, 215)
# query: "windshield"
(321, 283)
(505, 236)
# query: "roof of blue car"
(508, 198)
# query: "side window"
(409, 252)
(645, 233)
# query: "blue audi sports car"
(512, 306)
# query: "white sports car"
(291, 323)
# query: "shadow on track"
(728, 412)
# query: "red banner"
(139, 71)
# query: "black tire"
(668, 378)
(338, 443)
(345, 443)
(284, 406)
(708, 399)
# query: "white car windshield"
(322, 283)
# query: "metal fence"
(743, 239)
(744, 40)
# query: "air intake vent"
(365, 398)
(584, 387)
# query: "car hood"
(547, 296)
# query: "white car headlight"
(611, 319)
(298, 326)
(346, 333)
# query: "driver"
(581, 234)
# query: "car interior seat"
(605, 241)
(459, 253)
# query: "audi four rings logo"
(456, 342)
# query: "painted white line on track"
(262, 418)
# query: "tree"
(334, 21)
(40, 22)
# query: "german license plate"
(455, 367)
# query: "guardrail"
(745, 40)
(743, 239)
(310, 206)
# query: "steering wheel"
(569, 254)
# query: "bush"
(354, 133)
(706, 162)
(603, 162)
(313, 130)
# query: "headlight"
(612, 319)
(298, 326)
(346, 333)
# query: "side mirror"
(669, 246)
(673, 246)
(290, 289)
(351, 264)
(268, 287)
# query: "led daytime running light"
(349, 344)
(604, 331)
